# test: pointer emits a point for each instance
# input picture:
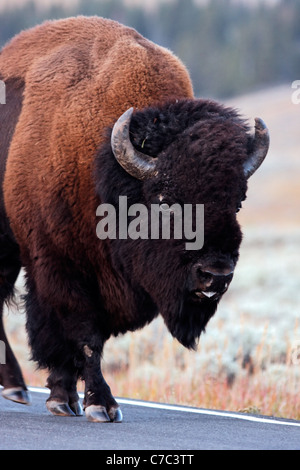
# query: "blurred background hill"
(246, 54)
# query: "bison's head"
(183, 152)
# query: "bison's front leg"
(66, 329)
(99, 404)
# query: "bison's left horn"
(260, 147)
(137, 164)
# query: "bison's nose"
(209, 281)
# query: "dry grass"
(217, 376)
(244, 361)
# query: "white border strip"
(185, 409)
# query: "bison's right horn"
(260, 147)
(137, 164)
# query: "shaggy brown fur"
(81, 74)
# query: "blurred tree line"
(228, 47)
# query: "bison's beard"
(184, 316)
(160, 272)
(189, 320)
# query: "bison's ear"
(259, 150)
(137, 164)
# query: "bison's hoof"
(115, 414)
(76, 408)
(17, 394)
(63, 409)
(98, 414)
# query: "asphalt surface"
(146, 426)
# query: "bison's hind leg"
(53, 351)
(11, 377)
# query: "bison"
(95, 111)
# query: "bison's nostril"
(205, 278)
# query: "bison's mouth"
(209, 295)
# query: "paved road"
(146, 426)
